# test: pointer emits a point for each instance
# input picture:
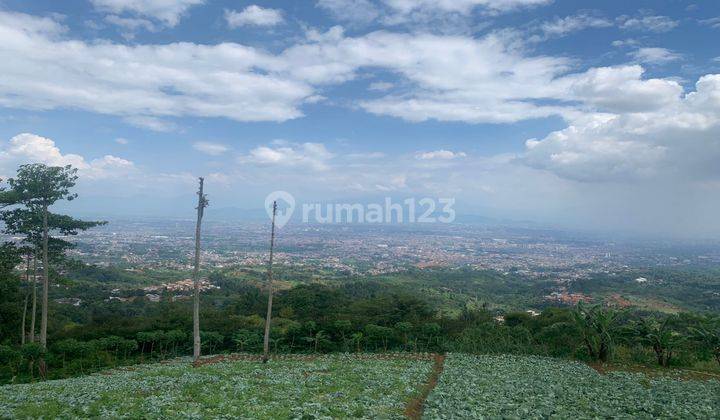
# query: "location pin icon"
(286, 207)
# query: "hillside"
(365, 386)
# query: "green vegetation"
(315, 387)
(536, 387)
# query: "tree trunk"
(196, 269)
(24, 317)
(46, 282)
(266, 340)
(33, 315)
(23, 336)
(46, 290)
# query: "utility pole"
(266, 341)
(202, 203)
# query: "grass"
(322, 387)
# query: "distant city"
(380, 249)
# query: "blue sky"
(584, 114)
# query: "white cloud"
(455, 78)
(712, 22)
(448, 78)
(167, 11)
(441, 154)
(253, 15)
(654, 55)
(311, 155)
(461, 6)
(647, 23)
(569, 24)
(380, 86)
(142, 83)
(359, 12)
(677, 140)
(620, 89)
(151, 123)
(28, 25)
(122, 141)
(209, 148)
(131, 25)
(31, 148)
(630, 42)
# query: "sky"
(582, 114)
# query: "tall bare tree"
(202, 203)
(266, 340)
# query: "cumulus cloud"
(209, 148)
(253, 15)
(168, 12)
(314, 156)
(456, 78)
(486, 79)
(142, 83)
(654, 55)
(130, 26)
(677, 140)
(31, 148)
(441, 154)
(620, 89)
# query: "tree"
(29, 224)
(709, 338)
(37, 187)
(202, 203)
(266, 339)
(661, 337)
(597, 327)
(244, 337)
(343, 326)
(9, 291)
(404, 329)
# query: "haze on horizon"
(587, 116)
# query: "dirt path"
(414, 409)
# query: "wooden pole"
(202, 203)
(266, 341)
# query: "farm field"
(535, 387)
(294, 387)
(382, 386)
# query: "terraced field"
(365, 386)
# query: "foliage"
(536, 387)
(598, 327)
(323, 387)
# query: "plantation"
(537, 387)
(310, 387)
(364, 386)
